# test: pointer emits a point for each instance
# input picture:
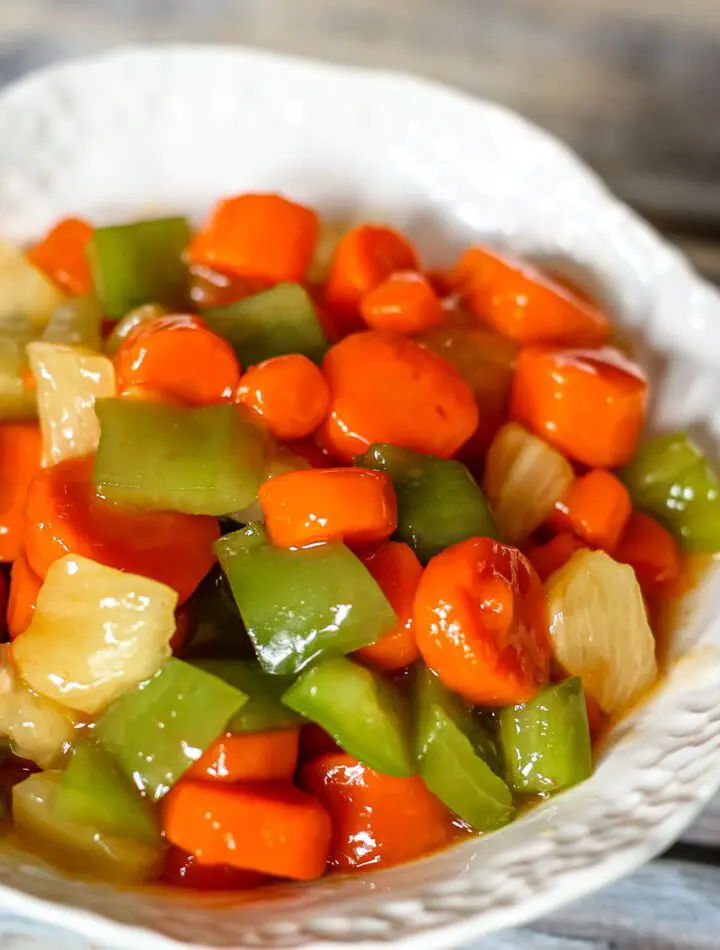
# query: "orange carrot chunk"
(651, 551)
(24, 587)
(589, 404)
(66, 516)
(353, 505)
(289, 393)
(378, 820)
(249, 757)
(271, 827)
(398, 571)
(404, 303)
(596, 507)
(523, 304)
(387, 388)
(263, 237)
(364, 258)
(180, 357)
(482, 624)
(20, 456)
(551, 556)
(61, 255)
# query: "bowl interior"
(149, 131)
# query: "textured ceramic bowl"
(167, 129)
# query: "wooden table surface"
(633, 86)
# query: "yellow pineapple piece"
(26, 294)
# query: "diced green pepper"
(79, 847)
(439, 502)
(215, 628)
(76, 322)
(546, 743)
(297, 605)
(157, 730)
(125, 326)
(139, 263)
(205, 461)
(95, 792)
(264, 709)
(272, 323)
(362, 711)
(454, 754)
(671, 479)
(17, 401)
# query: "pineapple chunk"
(68, 381)
(600, 629)
(16, 400)
(524, 479)
(26, 294)
(75, 846)
(95, 633)
(38, 728)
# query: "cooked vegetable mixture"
(315, 561)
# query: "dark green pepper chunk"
(272, 323)
(360, 709)
(214, 626)
(670, 479)
(455, 757)
(298, 605)
(264, 709)
(205, 461)
(157, 730)
(546, 743)
(139, 263)
(439, 502)
(93, 791)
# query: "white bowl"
(172, 128)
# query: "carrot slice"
(24, 587)
(20, 456)
(184, 870)
(482, 624)
(4, 606)
(211, 287)
(264, 237)
(596, 507)
(289, 393)
(353, 505)
(404, 303)
(523, 304)
(180, 357)
(271, 827)
(66, 516)
(378, 820)
(364, 257)
(249, 757)
(589, 404)
(551, 556)
(386, 388)
(651, 551)
(398, 571)
(61, 255)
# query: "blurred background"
(631, 84)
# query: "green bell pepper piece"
(670, 479)
(264, 709)
(362, 711)
(272, 323)
(297, 605)
(94, 791)
(546, 743)
(76, 322)
(439, 502)
(157, 730)
(205, 461)
(139, 263)
(215, 628)
(455, 757)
